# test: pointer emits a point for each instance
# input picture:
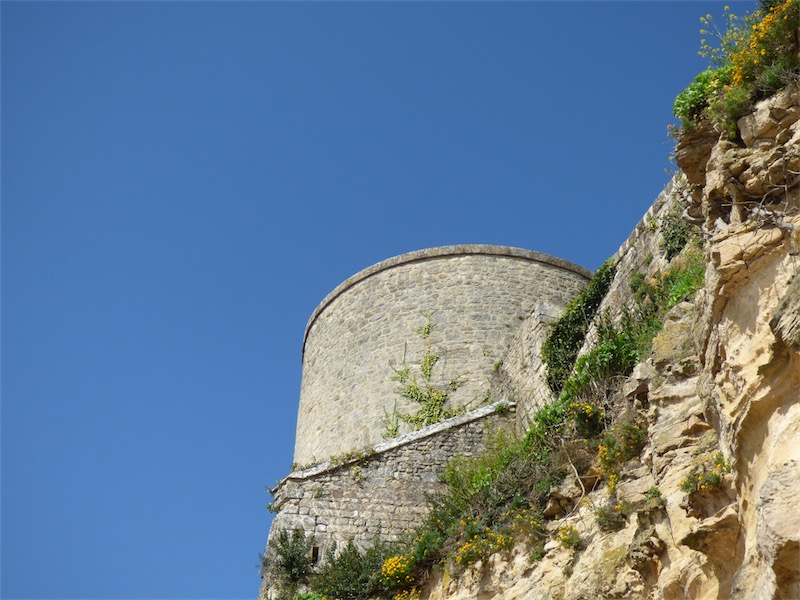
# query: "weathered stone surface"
(723, 379)
(693, 152)
(785, 321)
(477, 298)
(379, 494)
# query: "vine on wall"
(421, 389)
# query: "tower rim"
(435, 253)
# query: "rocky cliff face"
(721, 397)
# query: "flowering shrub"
(706, 477)
(587, 418)
(479, 548)
(613, 515)
(527, 525)
(408, 595)
(754, 57)
(623, 441)
(569, 537)
(396, 571)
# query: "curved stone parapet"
(476, 296)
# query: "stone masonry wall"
(521, 374)
(477, 298)
(380, 493)
(641, 252)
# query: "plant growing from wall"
(421, 389)
(675, 232)
(561, 347)
(290, 560)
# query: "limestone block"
(785, 321)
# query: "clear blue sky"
(183, 182)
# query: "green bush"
(290, 559)
(675, 231)
(616, 353)
(351, 573)
(754, 56)
(612, 516)
(691, 102)
(706, 477)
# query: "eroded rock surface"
(723, 381)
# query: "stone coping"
(442, 252)
(406, 438)
(641, 227)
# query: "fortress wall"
(381, 493)
(477, 297)
(640, 252)
(522, 374)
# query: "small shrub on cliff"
(587, 418)
(613, 515)
(654, 500)
(569, 537)
(706, 477)
(753, 57)
(621, 443)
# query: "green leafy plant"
(653, 499)
(691, 103)
(706, 477)
(675, 232)
(422, 390)
(751, 57)
(613, 515)
(616, 352)
(353, 573)
(561, 347)
(290, 559)
(536, 554)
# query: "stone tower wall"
(476, 297)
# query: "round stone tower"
(475, 298)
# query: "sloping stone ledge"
(403, 440)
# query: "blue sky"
(183, 182)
